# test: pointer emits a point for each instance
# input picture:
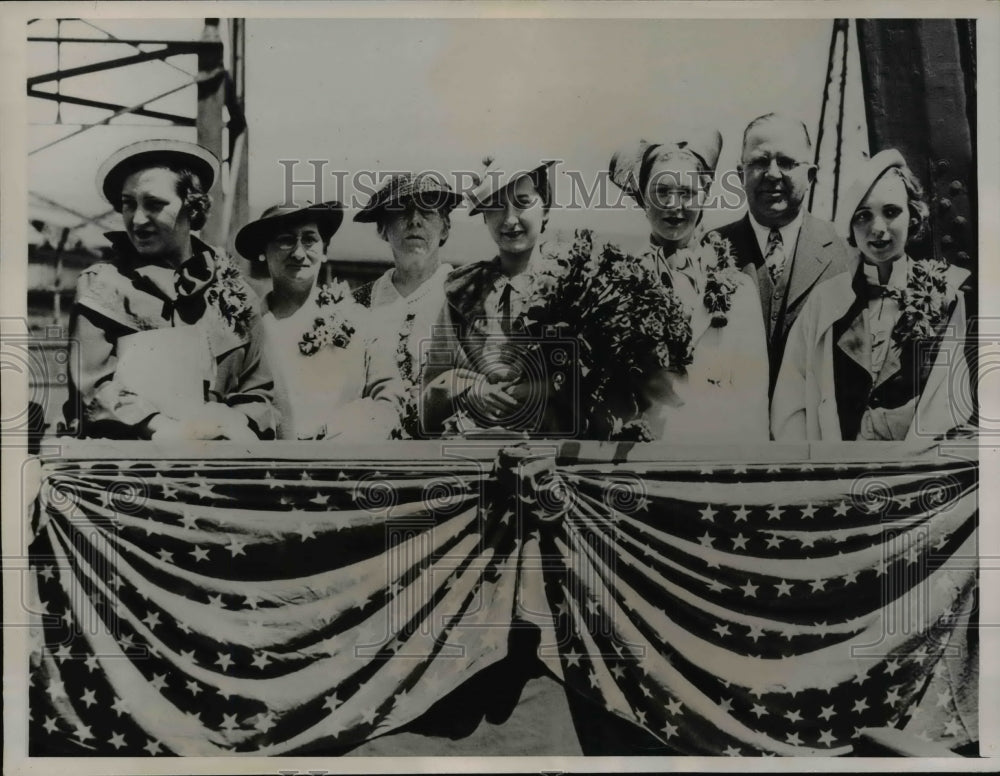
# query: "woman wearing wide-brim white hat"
(877, 353)
(165, 335)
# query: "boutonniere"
(336, 326)
(721, 277)
(228, 294)
(923, 303)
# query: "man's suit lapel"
(749, 259)
(812, 257)
(745, 244)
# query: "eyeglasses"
(763, 163)
(287, 242)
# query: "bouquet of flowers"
(627, 325)
(924, 303)
(336, 326)
(228, 294)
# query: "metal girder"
(124, 41)
(116, 114)
(85, 219)
(171, 49)
(181, 121)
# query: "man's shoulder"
(822, 229)
(734, 228)
(742, 240)
(824, 234)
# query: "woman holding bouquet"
(477, 375)
(722, 394)
(315, 334)
(165, 336)
(877, 353)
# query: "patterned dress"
(205, 299)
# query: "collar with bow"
(684, 261)
(896, 283)
(204, 285)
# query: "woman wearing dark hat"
(877, 352)
(473, 378)
(314, 333)
(165, 336)
(722, 395)
(412, 214)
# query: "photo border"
(13, 241)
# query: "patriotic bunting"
(286, 608)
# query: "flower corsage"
(721, 277)
(336, 326)
(924, 303)
(228, 295)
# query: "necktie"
(878, 292)
(505, 309)
(775, 257)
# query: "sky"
(377, 95)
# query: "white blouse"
(389, 311)
(722, 397)
(313, 392)
(882, 313)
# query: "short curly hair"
(915, 203)
(195, 200)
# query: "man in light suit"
(785, 249)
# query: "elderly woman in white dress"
(327, 387)
(722, 395)
(877, 353)
(412, 214)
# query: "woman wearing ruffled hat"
(165, 336)
(877, 353)
(326, 385)
(475, 377)
(413, 214)
(722, 394)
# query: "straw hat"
(398, 188)
(154, 153)
(501, 173)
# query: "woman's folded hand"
(490, 401)
(658, 388)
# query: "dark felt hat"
(430, 189)
(252, 238)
